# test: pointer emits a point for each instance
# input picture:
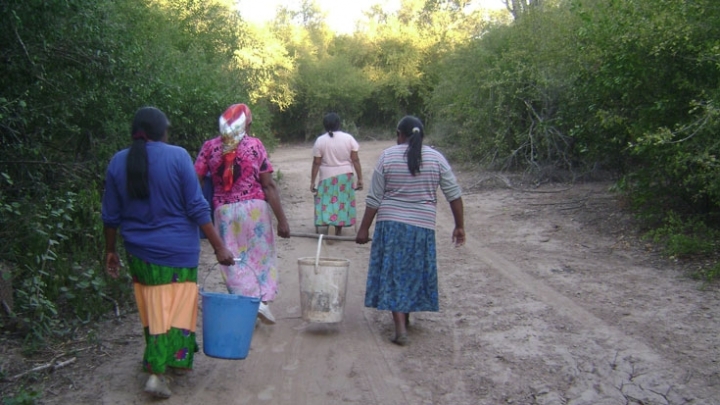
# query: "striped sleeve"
(448, 183)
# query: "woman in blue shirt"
(153, 197)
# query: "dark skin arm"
(222, 253)
(272, 196)
(458, 236)
(358, 169)
(363, 235)
(315, 168)
(112, 260)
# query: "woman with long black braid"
(402, 275)
(152, 195)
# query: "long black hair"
(413, 130)
(149, 124)
(331, 122)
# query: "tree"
(519, 8)
(73, 74)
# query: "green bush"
(22, 398)
(684, 236)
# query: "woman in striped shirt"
(402, 275)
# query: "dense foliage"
(73, 74)
(574, 86)
(629, 86)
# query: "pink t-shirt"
(250, 162)
(335, 153)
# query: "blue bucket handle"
(237, 260)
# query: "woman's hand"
(359, 185)
(112, 264)
(458, 236)
(283, 229)
(362, 236)
(224, 256)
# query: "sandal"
(157, 386)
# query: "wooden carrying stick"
(325, 237)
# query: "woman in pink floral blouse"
(244, 199)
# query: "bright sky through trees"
(341, 14)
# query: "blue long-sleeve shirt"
(164, 228)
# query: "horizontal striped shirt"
(400, 196)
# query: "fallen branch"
(45, 366)
(64, 363)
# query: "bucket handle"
(317, 254)
(237, 260)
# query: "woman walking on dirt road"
(245, 196)
(153, 197)
(402, 274)
(335, 155)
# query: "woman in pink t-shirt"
(244, 199)
(335, 155)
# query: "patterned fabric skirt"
(246, 228)
(335, 201)
(402, 275)
(167, 300)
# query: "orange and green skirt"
(167, 300)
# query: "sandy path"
(540, 307)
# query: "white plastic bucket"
(323, 287)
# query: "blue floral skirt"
(402, 275)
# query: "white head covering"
(233, 125)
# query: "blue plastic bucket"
(228, 322)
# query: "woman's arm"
(372, 204)
(458, 236)
(222, 253)
(112, 260)
(317, 160)
(358, 169)
(273, 198)
(363, 233)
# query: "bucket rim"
(340, 259)
(204, 293)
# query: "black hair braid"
(412, 128)
(138, 186)
(149, 124)
(414, 152)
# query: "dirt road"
(545, 304)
